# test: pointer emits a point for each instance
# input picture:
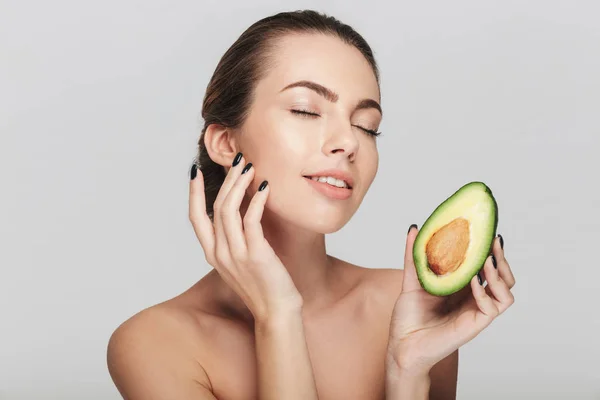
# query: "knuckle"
(238, 257)
(495, 311)
(221, 256)
(497, 277)
(255, 258)
(511, 299)
(217, 205)
(482, 296)
(249, 219)
(226, 210)
(193, 216)
(210, 260)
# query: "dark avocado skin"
(489, 191)
(495, 227)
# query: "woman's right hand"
(237, 248)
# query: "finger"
(198, 217)
(252, 225)
(487, 308)
(503, 267)
(222, 249)
(497, 288)
(234, 172)
(231, 218)
(410, 280)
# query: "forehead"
(324, 59)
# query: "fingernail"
(246, 168)
(262, 186)
(193, 172)
(410, 228)
(237, 159)
(479, 278)
(494, 262)
(501, 241)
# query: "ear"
(221, 144)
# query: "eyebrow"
(332, 96)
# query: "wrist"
(407, 385)
(406, 382)
(276, 319)
(274, 310)
(397, 365)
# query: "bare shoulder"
(387, 283)
(383, 284)
(156, 353)
(388, 280)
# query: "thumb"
(410, 280)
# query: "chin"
(310, 211)
(324, 226)
(321, 221)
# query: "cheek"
(288, 136)
(370, 164)
(279, 147)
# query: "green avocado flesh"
(454, 242)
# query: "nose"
(342, 141)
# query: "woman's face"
(285, 146)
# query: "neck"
(304, 256)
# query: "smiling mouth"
(313, 178)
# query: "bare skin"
(202, 340)
(278, 314)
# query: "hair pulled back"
(229, 92)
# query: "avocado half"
(454, 242)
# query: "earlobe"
(220, 144)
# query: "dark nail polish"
(262, 186)
(193, 172)
(237, 159)
(412, 226)
(479, 279)
(494, 263)
(501, 241)
(247, 168)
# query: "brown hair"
(229, 93)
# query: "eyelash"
(308, 114)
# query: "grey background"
(100, 105)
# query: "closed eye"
(309, 114)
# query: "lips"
(330, 191)
(317, 176)
(334, 173)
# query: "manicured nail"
(237, 159)
(247, 168)
(501, 241)
(262, 186)
(479, 278)
(494, 262)
(193, 172)
(412, 226)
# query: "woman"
(286, 155)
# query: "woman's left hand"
(425, 328)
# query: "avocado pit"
(447, 247)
